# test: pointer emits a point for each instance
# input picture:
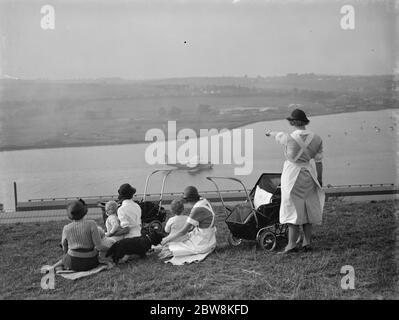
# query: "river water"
(359, 147)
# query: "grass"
(360, 234)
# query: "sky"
(146, 39)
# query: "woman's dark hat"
(298, 114)
(126, 191)
(191, 194)
(77, 209)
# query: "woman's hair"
(126, 192)
(177, 206)
(298, 123)
(76, 210)
(111, 207)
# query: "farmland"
(47, 114)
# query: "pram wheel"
(233, 241)
(267, 241)
(155, 225)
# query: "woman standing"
(302, 199)
(199, 232)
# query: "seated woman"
(200, 231)
(129, 213)
(80, 240)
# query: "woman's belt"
(83, 249)
(83, 252)
(300, 164)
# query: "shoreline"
(126, 142)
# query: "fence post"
(15, 196)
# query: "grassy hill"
(362, 235)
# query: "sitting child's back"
(112, 224)
(177, 222)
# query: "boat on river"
(192, 166)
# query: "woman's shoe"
(299, 242)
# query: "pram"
(255, 219)
(152, 213)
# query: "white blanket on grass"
(74, 275)
(179, 261)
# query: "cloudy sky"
(141, 39)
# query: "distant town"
(61, 113)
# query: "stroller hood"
(268, 182)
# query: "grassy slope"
(361, 235)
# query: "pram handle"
(232, 179)
(166, 172)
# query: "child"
(112, 224)
(81, 240)
(177, 222)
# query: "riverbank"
(123, 140)
(361, 235)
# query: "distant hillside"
(22, 90)
(43, 114)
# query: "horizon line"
(8, 77)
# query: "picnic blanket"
(74, 275)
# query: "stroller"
(256, 219)
(152, 213)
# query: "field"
(361, 235)
(47, 114)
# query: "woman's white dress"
(302, 198)
(200, 243)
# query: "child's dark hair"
(177, 206)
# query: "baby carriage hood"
(268, 182)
